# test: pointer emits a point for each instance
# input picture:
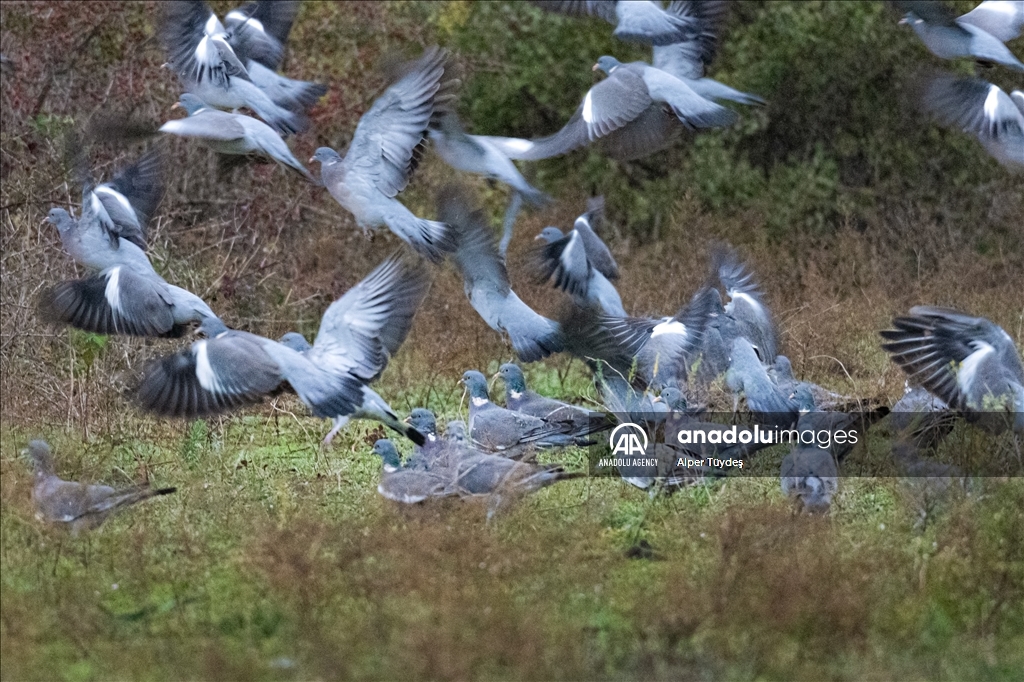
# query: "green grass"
(278, 560)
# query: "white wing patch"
(992, 103)
(240, 17)
(588, 108)
(737, 295)
(669, 327)
(969, 367)
(204, 371)
(118, 197)
(112, 292)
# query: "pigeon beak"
(536, 238)
(407, 420)
(176, 105)
(903, 21)
(595, 67)
(311, 159)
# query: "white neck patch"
(477, 402)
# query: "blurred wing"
(597, 252)
(566, 261)
(360, 330)
(476, 254)
(691, 57)
(141, 184)
(212, 376)
(1003, 19)
(259, 30)
(207, 124)
(973, 105)
(197, 45)
(579, 8)
(388, 140)
(116, 301)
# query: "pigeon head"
(41, 456)
(212, 327)
(475, 383)
(674, 398)
(513, 377)
(190, 103)
(804, 399)
(423, 420)
(550, 235)
(387, 451)
(295, 341)
(61, 219)
(455, 431)
(607, 64)
(325, 155)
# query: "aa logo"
(628, 439)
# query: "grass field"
(277, 559)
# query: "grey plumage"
(969, 362)
(79, 506)
(748, 378)
(983, 110)
(688, 60)
(234, 134)
(386, 148)
(520, 398)
(640, 21)
(1003, 19)
(949, 37)
(126, 296)
(495, 429)
(407, 485)
(746, 303)
(625, 109)
(358, 333)
(206, 64)
(581, 265)
(486, 283)
(125, 204)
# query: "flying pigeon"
(495, 429)
(258, 32)
(748, 378)
(386, 149)
(688, 60)
(79, 506)
(672, 343)
(357, 335)
(950, 37)
(476, 154)
(581, 265)
(486, 283)
(521, 399)
(126, 296)
(633, 104)
(204, 59)
(640, 21)
(746, 303)
(404, 484)
(984, 110)
(227, 133)
(1003, 19)
(968, 362)
(125, 204)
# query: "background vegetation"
(278, 560)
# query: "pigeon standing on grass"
(79, 506)
(233, 134)
(521, 399)
(498, 430)
(486, 283)
(358, 334)
(126, 296)
(405, 484)
(386, 149)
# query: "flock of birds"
(645, 369)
